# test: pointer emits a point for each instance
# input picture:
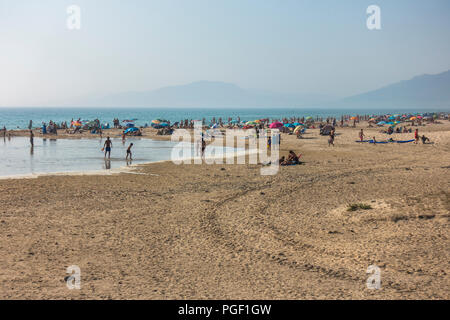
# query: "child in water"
(129, 152)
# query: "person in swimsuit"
(32, 138)
(361, 135)
(331, 140)
(129, 152)
(425, 139)
(203, 147)
(107, 146)
(416, 136)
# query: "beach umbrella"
(131, 130)
(412, 118)
(251, 123)
(391, 118)
(381, 123)
(298, 128)
(275, 125)
(289, 125)
(309, 118)
(163, 124)
(353, 118)
(156, 121)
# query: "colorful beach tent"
(289, 125)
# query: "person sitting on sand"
(129, 152)
(425, 139)
(292, 158)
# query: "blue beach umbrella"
(131, 130)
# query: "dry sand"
(226, 232)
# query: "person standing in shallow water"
(108, 146)
(129, 152)
(32, 138)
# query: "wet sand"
(226, 232)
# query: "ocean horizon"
(19, 117)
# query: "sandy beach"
(166, 231)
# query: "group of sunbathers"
(292, 159)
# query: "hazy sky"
(305, 46)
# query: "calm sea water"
(84, 155)
(15, 118)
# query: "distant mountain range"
(203, 94)
(424, 91)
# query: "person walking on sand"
(331, 140)
(361, 135)
(107, 146)
(203, 147)
(129, 152)
(416, 136)
(374, 141)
